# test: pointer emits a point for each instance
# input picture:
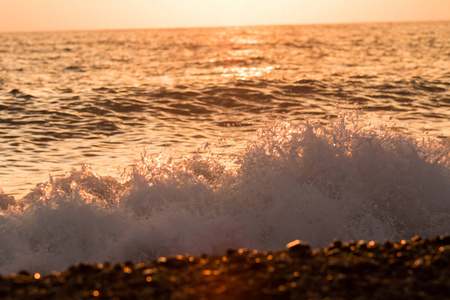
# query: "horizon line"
(224, 26)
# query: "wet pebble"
(416, 269)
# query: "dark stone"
(24, 272)
(298, 248)
(418, 269)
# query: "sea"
(129, 145)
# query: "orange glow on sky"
(41, 15)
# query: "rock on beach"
(415, 269)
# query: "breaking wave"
(313, 182)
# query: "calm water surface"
(104, 97)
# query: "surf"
(293, 180)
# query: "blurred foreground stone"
(416, 269)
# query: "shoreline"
(419, 269)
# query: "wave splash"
(314, 182)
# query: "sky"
(50, 15)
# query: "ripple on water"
(145, 88)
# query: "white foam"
(293, 181)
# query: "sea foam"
(305, 181)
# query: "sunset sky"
(43, 15)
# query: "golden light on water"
(235, 62)
(245, 73)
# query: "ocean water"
(136, 144)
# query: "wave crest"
(314, 182)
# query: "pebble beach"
(415, 269)
(123, 150)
